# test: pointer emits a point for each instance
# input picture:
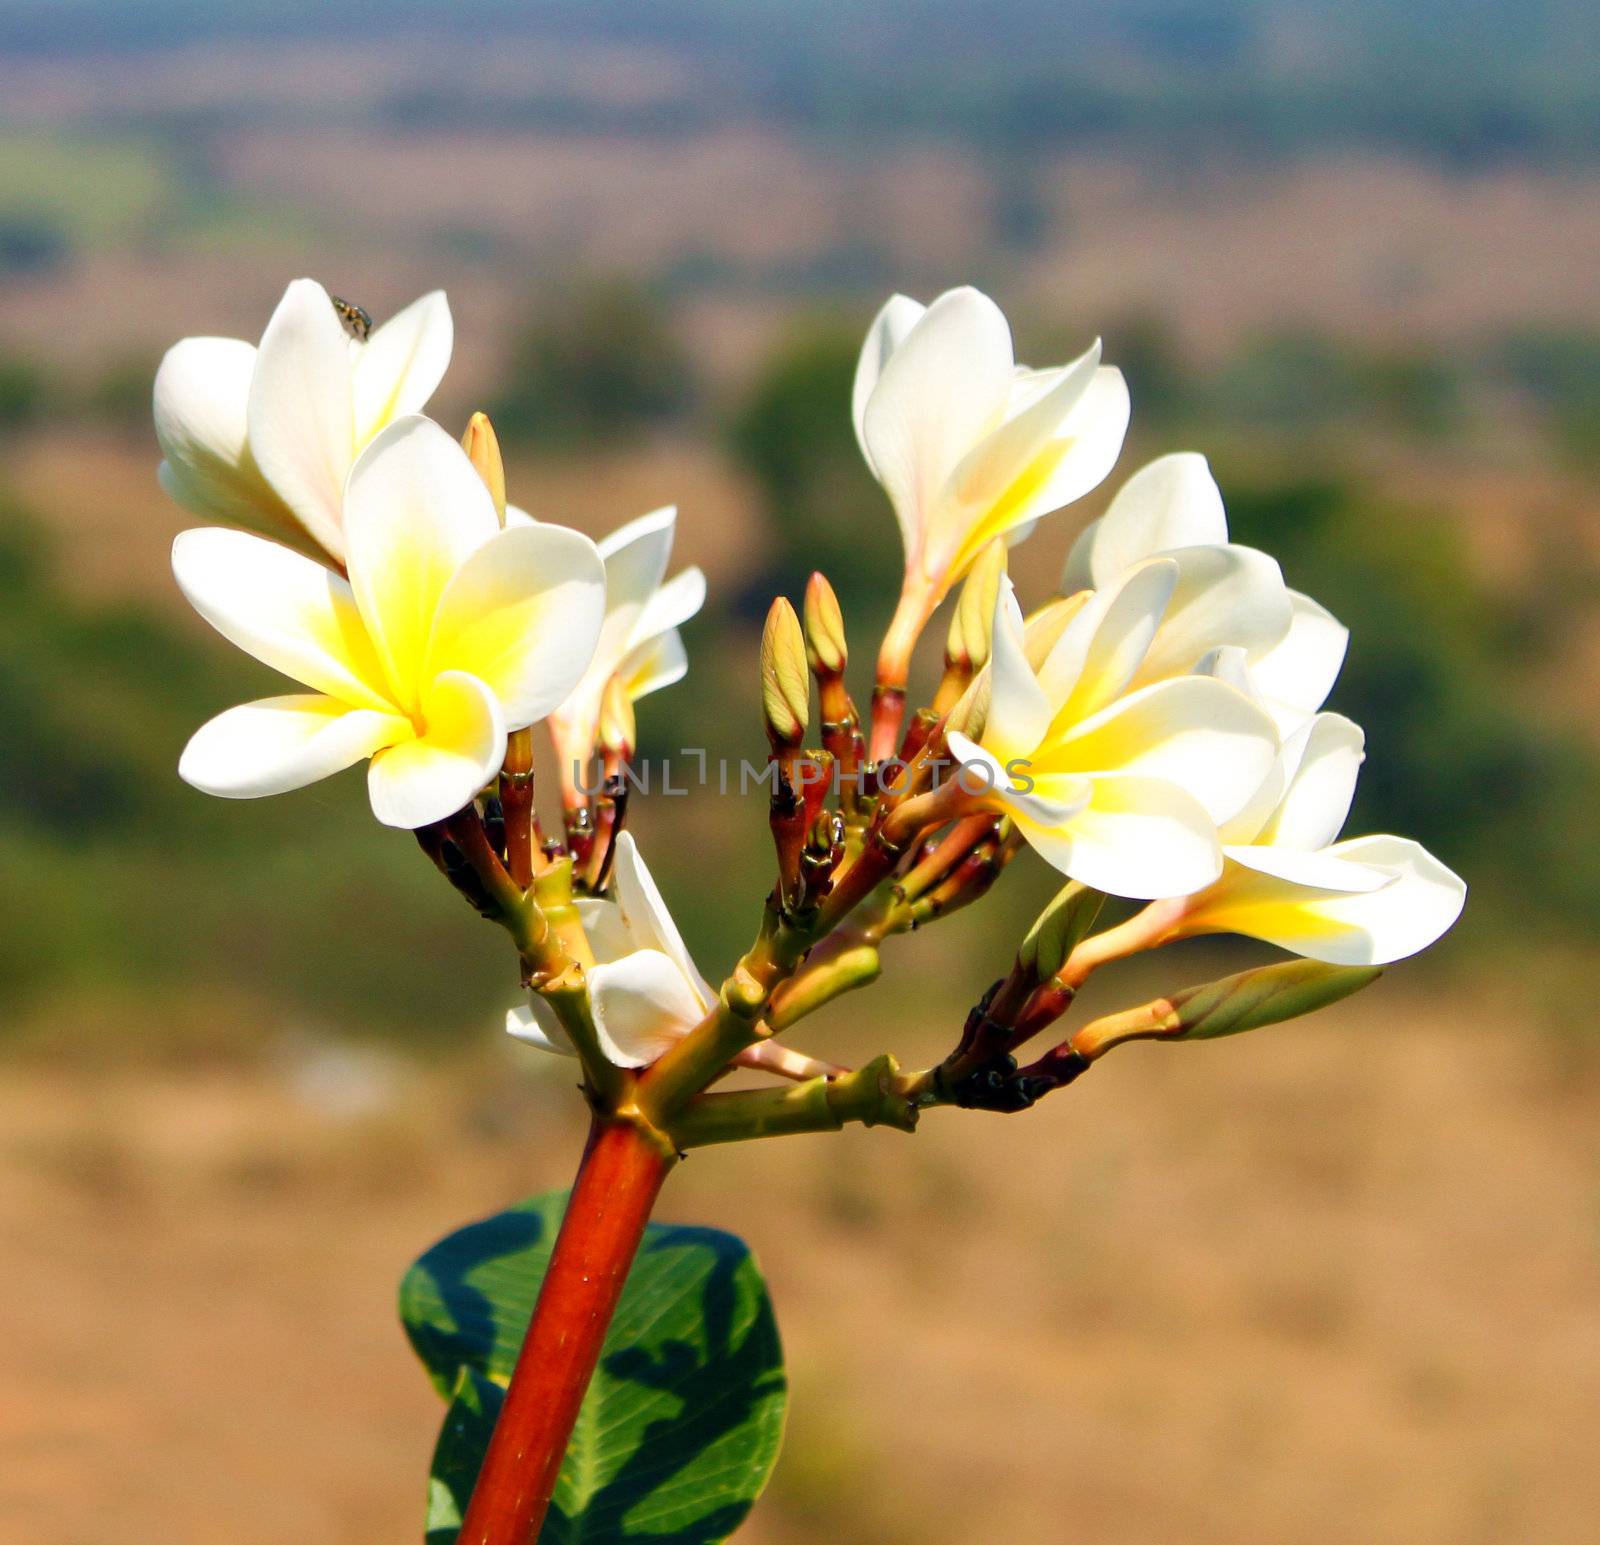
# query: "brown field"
(1337, 1286)
(114, 526)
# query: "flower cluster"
(430, 619)
(1154, 731)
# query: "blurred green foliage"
(1559, 369)
(1298, 383)
(119, 396)
(791, 432)
(598, 364)
(121, 879)
(25, 391)
(88, 189)
(1459, 755)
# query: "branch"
(875, 1095)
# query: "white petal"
(537, 1024)
(1018, 710)
(1078, 574)
(1229, 663)
(1082, 452)
(642, 1005)
(672, 605)
(1370, 928)
(1195, 732)
(1138, 837)
(898, 316)
(522, 614)
(282, 743)
(635, 562)
(1322, 761)
(1044, 801)
(1320, 871)
(993, 469)
(655, 664)
(290, 613)
(636, 556)
(200, 393)
(1225, 596)
(942, 390)
(414, 511)
(604, 928)
(1101, 649)
(1299, 672)
(200, 398)
(399, 367)
(1245, 825)
(302, 424)
(1171, 502)
(645, 913)
(460, 749)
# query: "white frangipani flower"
(1118, 786)
(1362, 902)
(968, 444)
(448, 633)
(1228, 596)
(639, 640)
(645, 993)
(265, 436)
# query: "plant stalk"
(618, 1181)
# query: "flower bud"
(968, 643)
(824, 629)
(1267, 995)
(1059, 929)
(970, 712)
(483, 450)
(1046, 625)
(785, 677)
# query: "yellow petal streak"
(1012, 507)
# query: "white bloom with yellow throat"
(969, 445)
(639, 643)
(1227, 596)
(1287, 880)
(448, 633)
(264, 436)
(1119, 786)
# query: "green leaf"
(681, 1427)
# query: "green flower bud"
(1267, 995)
(1059, 929)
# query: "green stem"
(874, 1095)
(816, 985)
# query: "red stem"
(516, 804)
(617, 1185)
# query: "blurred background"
(1337, 1283)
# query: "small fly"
(357, 322)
